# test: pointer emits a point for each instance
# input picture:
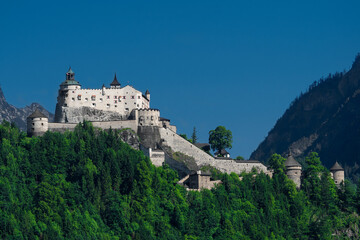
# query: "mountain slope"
(325, 120)
(11, 113)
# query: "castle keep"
(126, 108)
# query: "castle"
(125, 108)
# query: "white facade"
(121, 100)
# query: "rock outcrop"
(77, 115)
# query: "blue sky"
(206, 63)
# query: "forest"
(88, 184)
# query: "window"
(72, 99)
(86, 99)
(138, 97)
(126, 103)
(100, 99)
(108, 105)
(137, 105)
(108, 97)
(115, 101)
(73, 91)
(42, 124)
(115, 97)
(65, 105)
(93, 98)
(33, 124)
(126, 109)
(132, 97)
(79, 97)
(94, 104)
(124, 97)
(115, 106)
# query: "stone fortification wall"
(132, 124)
(179, 144)
(228, 166)
(62, 127)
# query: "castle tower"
(70, 83)
(115, 84)
(337, 173)
(293, 170)
(37, 123)
(147, 95)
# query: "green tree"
(194, 137)
(220, 138)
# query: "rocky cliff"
(16, 115)
(78, 115)
(325, 119)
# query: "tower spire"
(115, 83)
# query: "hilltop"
(325, 119)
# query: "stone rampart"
(179, 144)
(62, 127)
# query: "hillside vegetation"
(88, 184)
(325, 119)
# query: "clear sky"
(206, 63)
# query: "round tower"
(37, 123)
(293, 170)
(337, 173)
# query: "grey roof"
(70, 71)
(37, 114)
(222, 152)
(336, 167)
(201, 145)
(147, 92)
(70, 82)
(115, 82)
(291, 162)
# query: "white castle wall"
(121, 100)
(61, 127)
(179, 144)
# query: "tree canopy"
(220, 138)
(88, 184)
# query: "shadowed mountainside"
(325, 119)
(18, 116)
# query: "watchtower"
(293, 170)
(337, 173)
(37, 123)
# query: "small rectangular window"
(94, 104)
(108, 97)
(138, 97)
(93, 98)
(72, 99)
(86, 99)
(108, 105)
(124, 97)
(79, 97)
(132, 97)
(115, 101)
